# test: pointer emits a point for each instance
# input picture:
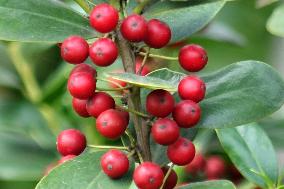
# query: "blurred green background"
(34, 104)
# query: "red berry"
(160, 103)
(125, 114)
(103, 52)
(111, 124)
(165, 131)
(171, 181)
(145, 69)
(215, 168)
(186, 113)
(148, 175)
(158, 34)
(66, 158)
(114, 163)
(74, 50)
(192, 58)
(104, 18)
(81, 85)
(197, 165)
(134, 28)
(71, 142)
(191, 88)
(99, 103)
(80, 107)
(181, 152)
(84, 68)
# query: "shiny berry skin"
(111, 124)
(81, 85)
(84, 68)
(104, 18)
(165, 131)
(99, 103)
(215, 168)
(148, 175)
(160, 103)
(134, 28)
(192, 58)
(181, 152)
(192, 88)
(158, 34)
(171, 181)
(66, 158)
(71, 142)
(197, 165)
(114, 163)
(124, 114)
(103, 52)
(186, 113)
(79, 106)
(74, 50)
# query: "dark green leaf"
(275, 23)
(218, 184)
(84, 172)
(251, 151)
(37, 20)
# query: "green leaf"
(84, 172)
(218, 184)
(252, 153)
(191, 16)
(275, 24)
(37, 20)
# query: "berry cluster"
(111, 121)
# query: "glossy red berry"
(84, 68)
(124, 114)
(103, 52)
(215, 168)
(181, 152)
(192, 88)
(99, 103)
(71, 142)
(66, 158)
(186, 113)
(104, 18)
(74, 50)
(160, 103)
(165, 131)
(114, 163)
(196, 166)
(148, 175)
(81, 85)
(79, 107)
(192, 58)
(111, 124)
(171, 181)
(158, 34)
(134, 28)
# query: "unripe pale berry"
(104, 18)
(111, 124)
(192, 88)
(114, 163)
(84, 68)
(148, 175)
(181, 152)
(66, 158)
(171, 181)
(215, 168)
(186, 113)
(158, 34)
(99, 103)
(79, 107)
(165, 131)
(74, 50)
(192, 58)
(71, 142)
(103, 52)
(160, 103)
(134, 28)
(81, 85)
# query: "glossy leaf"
(191, 16)
(218, 184)
(37, 20)
(275, 24)
(84, 172)
(252, 153)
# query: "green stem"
(139, 8)
(114, 89)
(84, 5)
(134, 112)
(158, 56)
(131, 138)
(167, 175)
(144, 61)
(109, 147)
(131, 153)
